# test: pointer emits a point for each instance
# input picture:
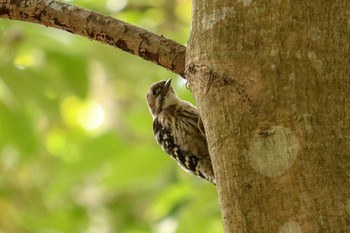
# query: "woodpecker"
(177, 128)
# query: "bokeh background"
(77, 152)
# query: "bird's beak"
(167, 85)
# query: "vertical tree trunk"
(271, 79)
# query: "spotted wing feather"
(165, 139)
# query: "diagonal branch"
(105, 29)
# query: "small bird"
(178, 130)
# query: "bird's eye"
(154, 92)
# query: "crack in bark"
(222, 80)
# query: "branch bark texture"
(95, 26)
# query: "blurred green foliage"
(77, 152)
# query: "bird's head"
(160, 96)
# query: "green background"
(77, 153)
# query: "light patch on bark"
(291, 77)
(314, 33)
(245, 2)
(218, 15)
(291, 80)
(274, 52)
(315, 63)
(298, 54)
(347, 206)
(55, 5)
(273, 151)
(290, 227)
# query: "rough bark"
(271, 79)
(92, 25)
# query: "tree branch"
(95, 26)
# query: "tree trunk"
(271, 79)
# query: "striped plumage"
(176, 129)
